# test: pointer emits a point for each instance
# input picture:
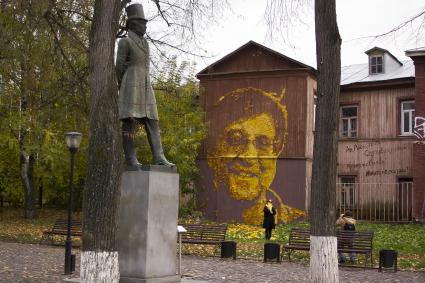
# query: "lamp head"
(73, 140)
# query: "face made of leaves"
(245, 157)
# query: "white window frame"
(350, 132)
(411, 114)
(376, 64)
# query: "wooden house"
(259, 109)
(375, 160)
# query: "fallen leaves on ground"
(407, 239)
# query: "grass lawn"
(407, 239)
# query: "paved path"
(39, 263)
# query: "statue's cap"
(135, 11)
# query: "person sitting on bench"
(349, 224)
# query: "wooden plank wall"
(379, 110)
(295, 101)
(379, 154)
(375, 161)
(252, 58)
(311, 87)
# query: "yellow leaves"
(245, 232)
(14, 227)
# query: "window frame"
(349, 191)
(341, 122)
(411, 117)
(371, 65)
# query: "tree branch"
(81, 80)
(160, 11)
(393, 30)
(48, 15)
(155, 41)
(77, 13)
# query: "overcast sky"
(356, 18)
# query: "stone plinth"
(147, 234)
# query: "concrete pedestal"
(147, 234)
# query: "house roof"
(376, 48)
(211, 68)
(359, 73)
(351, 75)
(415, 52)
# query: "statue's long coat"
(136, 97)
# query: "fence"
(378, 202)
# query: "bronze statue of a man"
(136, 101)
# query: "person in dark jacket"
(348, 223)
(269, 222)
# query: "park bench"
(60, 228)
(205, 234)
(299, 239)
(358, 242)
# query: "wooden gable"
(253, 57)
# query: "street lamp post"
(73, 140)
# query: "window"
(407, 117)
(349, 121)
(376, 64)
(404, 198)
(347, 193)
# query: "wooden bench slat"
(208, 234)
(60, 228)
(348, 241)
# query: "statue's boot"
(128, 134)
(154, 138)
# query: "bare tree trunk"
(323, 247)
(26, 165)
(99, 256)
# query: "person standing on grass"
(269, 221)
(348, 223)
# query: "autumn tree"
(39, 93)
(99, 256)
(323, 247)
(182, 123)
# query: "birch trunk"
(323, 256)
(99, 257)
(323, 259)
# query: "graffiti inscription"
(380, 151)
(365, 164)
(387, 172)
(359, 146)
(370, 150)
(376, 157)
(419, 129)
